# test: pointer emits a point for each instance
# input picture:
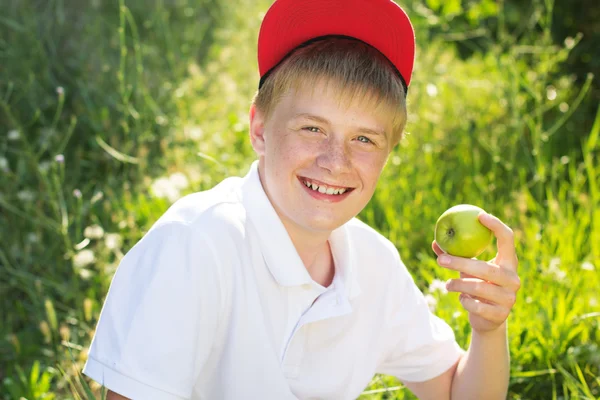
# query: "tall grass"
(122, 107)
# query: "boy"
(267, 286)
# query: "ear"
(257, 130)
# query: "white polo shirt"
(214, 302)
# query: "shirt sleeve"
(160, 318)
(421, 346)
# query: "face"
(312, 140)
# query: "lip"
(329, 198)
(323, 183)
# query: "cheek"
(290, 147)
(280, 143)
(370, 168)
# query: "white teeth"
(324, 189)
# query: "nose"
(334, 157)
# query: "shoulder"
(201, 227)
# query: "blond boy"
(267, 286)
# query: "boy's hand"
(488, 289)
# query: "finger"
(505, 238)
(463, 275)
(436, 248)
(474, 298)
(482, 290)
(483, 270)
(491, 312)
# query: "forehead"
(325, 96)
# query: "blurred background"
(110, 110)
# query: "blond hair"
(356, 70)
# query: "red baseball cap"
(289, 24)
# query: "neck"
(315, 253)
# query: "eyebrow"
(326, 121)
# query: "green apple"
(458, 231)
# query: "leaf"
(434, 4)
(34, 374)
(452, 7)
(593, 138)
(12, 24)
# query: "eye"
(312, 129)
(367, 140)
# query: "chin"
(324, 224)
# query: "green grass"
(138, 95)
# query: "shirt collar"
(279, 252)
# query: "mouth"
(324, 188)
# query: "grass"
(110, 119)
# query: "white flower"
(93, 232)
(569, 42)
(431, 302)
(13, 134)
(112, 241)
(588, 266)
(161, 120)
(193, 132)
(25, 195)
(551, 93)
(170, 188)
(553, 269)
(436, 285)
(179, 180)
(3, 164)
(85, 274)
(432, 90)
(559, 274)
(83, 258)
(97, 197)
(164, 189)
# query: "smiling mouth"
(323, 188)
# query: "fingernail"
(445, 260)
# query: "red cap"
(379, 23)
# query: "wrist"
(500, 330)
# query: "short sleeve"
(421, 346)
(160, 318)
